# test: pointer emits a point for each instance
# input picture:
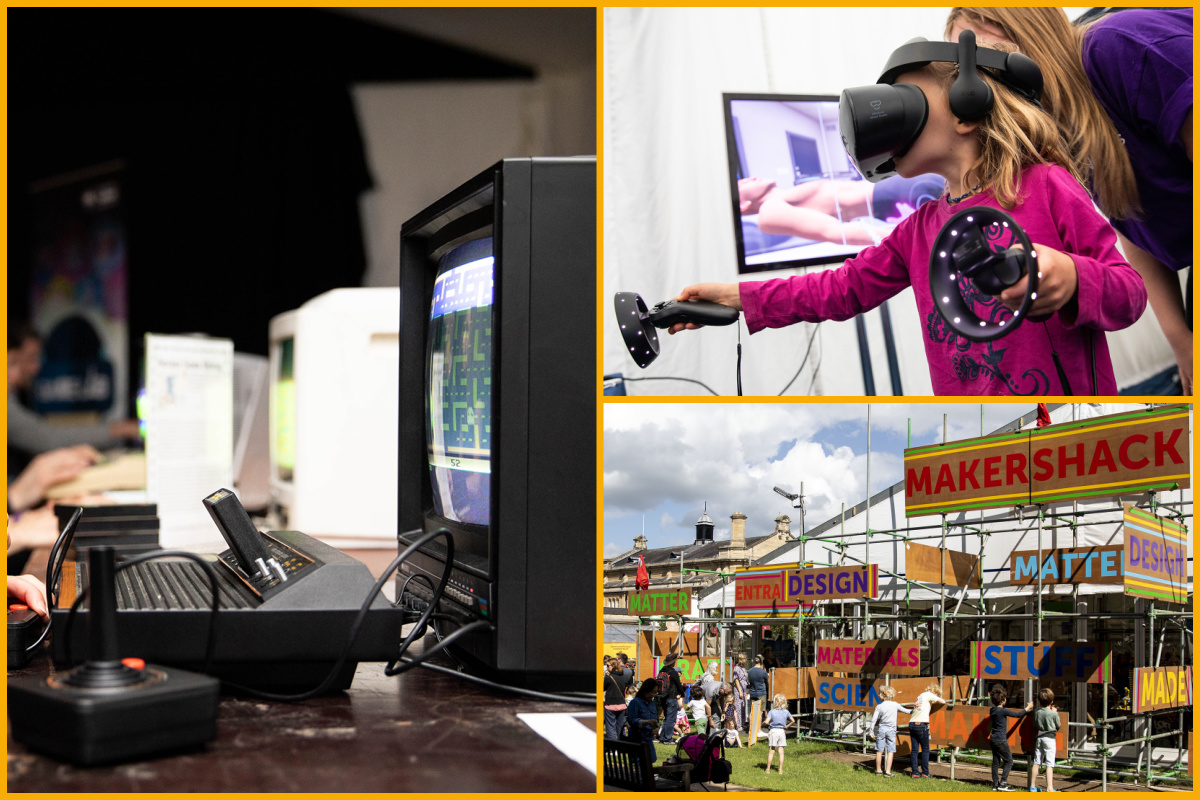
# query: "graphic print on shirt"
(970, 368)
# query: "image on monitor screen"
(797, 198)
(283, 418)
(459, 381)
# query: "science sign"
(970, 726)
(1161, 687)
(660, 603)
(1156, 556)
(831, 583)
(873, 656)
(1078, 662)
(849, 694)
(1071, 565)
(1110, 455)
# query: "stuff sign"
(1078, 662)
(1111, 455)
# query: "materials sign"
(1079, 662)
(1156, 556)
(1111, 455)
(669, 602)
(1071, 565)
(1161, 687)
(874, 656)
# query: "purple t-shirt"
(1054, 211)
(1139, 63)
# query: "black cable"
(583, 699)
(1092, 353)
(739, 359)
(211, 573)
(1062, 374)
(689, 380)
(811, 339)
(68, 532)
(362, 614)
(436, 631)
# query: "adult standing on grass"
(615, 683)
(757, 679)
(1001, 752)
(672, 691)
(1120, 88)
(722, 706)
(918, 728)
(643, 716)
(740, 686)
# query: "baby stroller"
(707, 752)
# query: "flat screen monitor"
(797, 199)
(497, 441)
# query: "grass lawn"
(803, 773)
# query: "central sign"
(1079, 662)
(1111, 455)
(1071, 565)
(874, 656)
(830, 583)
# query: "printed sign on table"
(1079, 662)
(1156, 556)
(874, 656)
(1069, 565)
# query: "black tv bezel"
(733, 162)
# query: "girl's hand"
(727, 294)
(1058, 283)
(30, 591)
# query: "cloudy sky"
(663, 461)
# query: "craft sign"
(668, 602)
(874, 656)
(1111, 455)
(1071, 565)
(1161, 687)
(1156, 556)
(831, 583)
(970, 726)
(1079, 662)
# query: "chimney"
(738, 535)
(704, 527)
(783, 527)
(639, 542)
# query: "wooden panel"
(652, 644)
(658, 603)
(1069, 565)
(1156, 556)
(907, 689)
(1081, 662)
(970, 726)
(1104, 456)
(830, 583)
(1161, 687)
(921, 564)
(873, 656)
(783, 681)
(66, 587)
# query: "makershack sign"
(1117, 454)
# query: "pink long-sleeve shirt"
(1055, 211)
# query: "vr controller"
(638, 322)
(981, 250)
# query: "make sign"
(1161, 687)
(1070, 565)
(1079, 662)
(669, 602)
(875, 656)
(1110, 455)
(971, 726)
(1156, 556)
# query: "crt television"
(797, 199)
(498, 411)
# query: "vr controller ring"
(966, 248)
(639, 335)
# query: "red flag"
(1043, 415)
(642, 581)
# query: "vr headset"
(881, 122)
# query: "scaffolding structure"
(856, 613)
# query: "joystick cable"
(812, 339)
(1062, 373)
(53, 570)
(739, 361)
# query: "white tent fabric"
(668, 216)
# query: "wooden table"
(681, 768)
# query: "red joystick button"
(18, 607)
(134, 663)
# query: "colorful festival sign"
(661, 602)
(921, 563)
(874, 656)
(831, 583)
(1070, 565)
(850, 694)
(1161, 687)
(1156, 556)
(758, 592)
(1079, 662)
(970, 726)
(1104, 456)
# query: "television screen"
(797, 198)
(283, 416)
(459, 381)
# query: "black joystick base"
(104, 675)
(24, 626)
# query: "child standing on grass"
(1001, 753)
(883, 724)
(778, 718)
(700, 708)
(1044, 746)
